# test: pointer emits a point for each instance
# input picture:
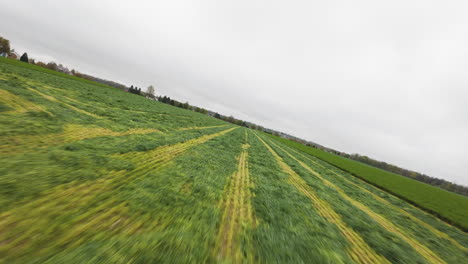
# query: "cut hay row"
(36, 83)
(359, 250)
(430, 256)
(88, 208)
(72, 132)
(237, 212)
(67, 98)
(35, 226)
(198, 128)
(53, 99)
(18, 104)
(162, 155)
(388, 204)
(62, 91)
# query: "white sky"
(383, 79)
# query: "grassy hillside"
(48, 71)
(91, 174)
(447, 205)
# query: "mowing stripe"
(89, 205)
(53, 99)
(430, 256)
(237, 211)
(18, 104)
(359, 250)
(198, 128)
(72, 132)
(158, 158)
(394, 207)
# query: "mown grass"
(290, 230)
(90, 174)
(127, 205)
(51, 72)
(432, 245)
(449, 206)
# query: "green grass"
(91, 174)
(51, 72)
(449, 206)
(437, 244)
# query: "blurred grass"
(449, 206)
(91, 174)
(406, 232)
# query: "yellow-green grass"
(91, 174)
(359, 250)
(385, 203)
(426, 239)
(449, 206)
(237, 212)
(90, 207)
(430, 256)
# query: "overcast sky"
(387, 79)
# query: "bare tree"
(150, 91)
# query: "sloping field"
(91, 174)
(449, 206)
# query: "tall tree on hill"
(24, 58)
(4, 46)
(150, 91)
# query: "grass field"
(91, 174)
(449, 206)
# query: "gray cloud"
(387, 80)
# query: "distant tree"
(40, 63)
(4, 46)
(134, 90)
(164, 99)
(150, 91)
(78, 74)
(52, 65)
(24, 58)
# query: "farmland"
(447, 205)
(91, 174)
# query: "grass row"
(85, 211)
(367, 193)
(359, 250)
(434, 246)
(289, 229)
(448, 206)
